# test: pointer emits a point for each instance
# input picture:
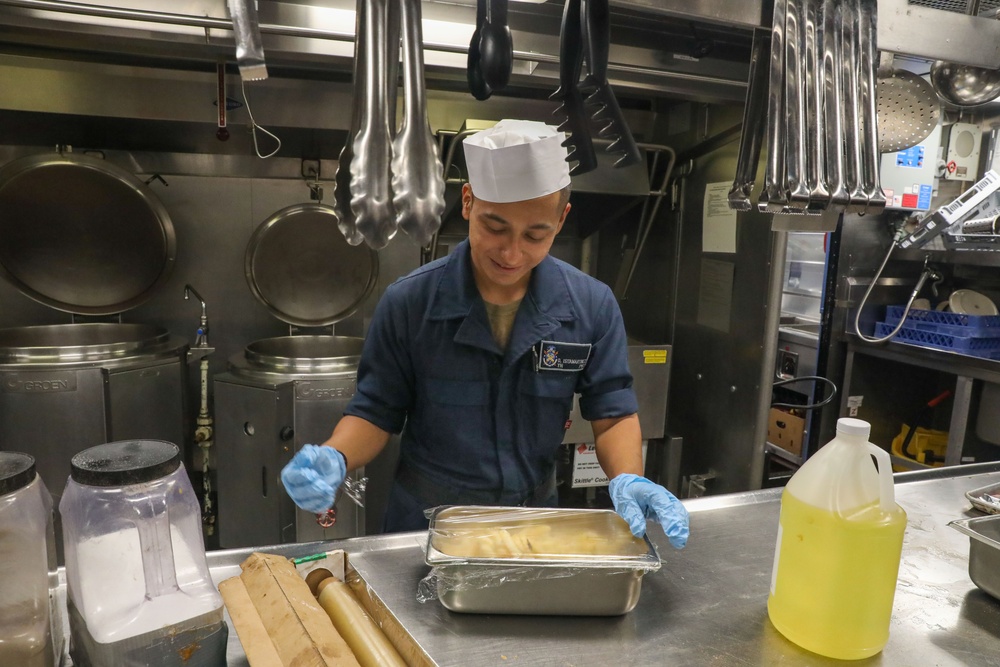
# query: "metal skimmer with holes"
(908, 109)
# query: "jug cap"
(125, 462)
(17, 470)
(848, 426)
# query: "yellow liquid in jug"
(835, 578)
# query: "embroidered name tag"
(552, 355)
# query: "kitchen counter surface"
(708, 604)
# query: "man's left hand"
(637, 499)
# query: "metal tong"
(342, 180)
(575, 121)
(370, 187)
(417, 174)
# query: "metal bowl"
(965, 85)
(304, 354)
(79, 342)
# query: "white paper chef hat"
(516, 160)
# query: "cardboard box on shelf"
(786, 431)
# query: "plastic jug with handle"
(138, 584)
(840, 536)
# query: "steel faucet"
(201, 339)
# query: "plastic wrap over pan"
(82, 235)
(548, 561)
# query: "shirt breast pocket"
(458, 392)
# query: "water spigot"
(201, 338)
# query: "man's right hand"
(313, 476)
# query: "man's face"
(509, 240)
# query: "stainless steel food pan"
(986, 498)
(559, 561)
(984, 551)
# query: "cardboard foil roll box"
(319, 611)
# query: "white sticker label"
(853, 403)
(777, 554)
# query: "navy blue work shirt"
(474, 417)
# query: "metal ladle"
(965, 85)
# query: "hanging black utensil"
(474, 73)
(572, 111)
(496, 46)
(595, 17)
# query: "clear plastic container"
(840, 536)
(25, 524)
(136, 572)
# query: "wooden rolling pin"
(370, 646)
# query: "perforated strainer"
(908, 108)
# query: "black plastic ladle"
(496, 46)
(477, 84)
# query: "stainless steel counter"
(707, 605)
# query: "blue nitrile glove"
(313, 476)
(637, 499)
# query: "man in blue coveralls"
(476, 357)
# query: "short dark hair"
(564, 198)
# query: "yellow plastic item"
(840, 536)
(923, 440)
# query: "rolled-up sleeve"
(384, 393)
(605, 385)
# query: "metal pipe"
(769, 353)
(208, 22)
(648, 224)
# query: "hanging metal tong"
(417, 174)
(371, 191)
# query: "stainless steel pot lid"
(301, 268)
(305, 353)
(79, 342)
(81, 235)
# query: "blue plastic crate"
(953, 324)
(976, 347)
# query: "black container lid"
(125, 462)
(17, 470)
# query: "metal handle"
(833, 126)
(773, 197)
(795, 107)
(371, 194)
(867, 31)
(819, 195)
(853, 174)
(417, 174)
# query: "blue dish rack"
(974, 335)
